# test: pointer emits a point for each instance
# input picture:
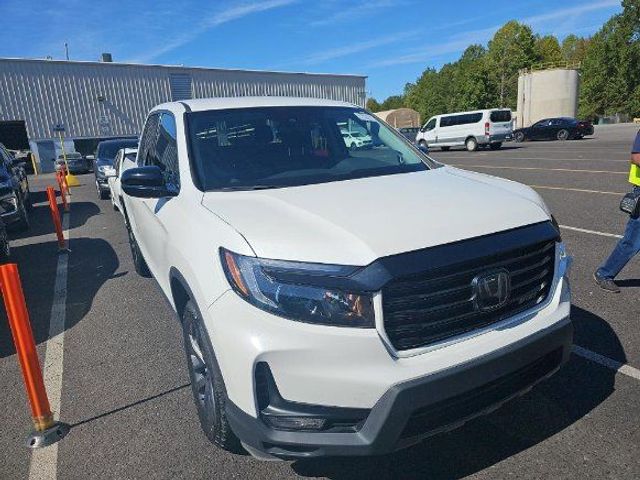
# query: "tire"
(22, 224)
(423, 144)
(139, 263)
(495, 146)
(519, 137)
(471, 144)
(207, 385)
(445, 149)
(353, 146)
(102, 195)
(5, 249)
(562, 135)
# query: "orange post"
(25, 346)
(63, 195)
(47, 431)
(55, 216)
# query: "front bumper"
(346, 368)
(411, 411)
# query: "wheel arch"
(181, 293)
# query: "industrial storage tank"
(547, 93)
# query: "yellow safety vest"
(634, 175)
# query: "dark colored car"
(77, 163)
(410, 133)
(15, 197)
(562, 128)
(105, 155)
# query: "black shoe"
(606, 283)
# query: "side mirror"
(145, 182)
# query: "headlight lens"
(278, 287)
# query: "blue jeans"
(626, 249)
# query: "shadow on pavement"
(92, 260)
(548, 409)
(40, 222)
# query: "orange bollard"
(55, 216)
(63, 195)
(46, 430)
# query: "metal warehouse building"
(97, 100)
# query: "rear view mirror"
(145, 182)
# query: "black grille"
(450, 412)
(437, 304)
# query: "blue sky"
(390, 41)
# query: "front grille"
(437, 417)
(437, 304)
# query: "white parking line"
(503, 167)
(619, 367)
(515, 159)
(44, 461)
(546, 187)
(592, 232)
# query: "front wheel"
(22, 224)
(471, 144)
(563, 135)
(519, 137)
(207, 386)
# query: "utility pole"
(66, 50)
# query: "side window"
(148, 141)
(166, 155)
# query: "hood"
(354, 222)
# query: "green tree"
(574, 48)
(373, 105)
(512, 48)
(392, 102)
(611, 68)
(548, 49)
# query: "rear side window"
(462, 119)
(500, 116)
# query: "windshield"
(108, 150)
(270, 147)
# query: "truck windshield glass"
(270, 147)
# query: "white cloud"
(230, 14)
(356, 11)
(459, 42)
(346, 50)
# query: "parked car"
(410, 133)
(480, 128)
(563, 128)
(76, 162)
(125, 159)
(354, 139)
(322, 313)
(104, 166)
(15, 196)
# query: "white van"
(469, 129)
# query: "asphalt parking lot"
(124, 384)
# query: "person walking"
(629, 244)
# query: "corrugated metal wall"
(105, 99)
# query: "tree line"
(487, 77)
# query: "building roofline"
(180, 67)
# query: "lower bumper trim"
(413, 410)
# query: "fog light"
(295, 423)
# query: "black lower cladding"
(411, 411)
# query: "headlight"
(279, 287)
